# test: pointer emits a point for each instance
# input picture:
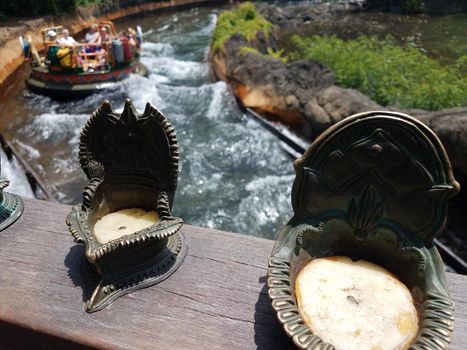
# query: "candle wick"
(122, 227)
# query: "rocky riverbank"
(304, 94)
(11, 52)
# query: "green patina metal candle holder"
(375, 187)
(131, 161)
(11, 206)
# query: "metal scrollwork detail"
(407, 247)
(308, 229)
(96, 175)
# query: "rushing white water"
(234, 175)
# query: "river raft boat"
(74, 71)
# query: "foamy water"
(234, 175)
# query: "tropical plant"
(388, 73)
(244, 20)
(21, 8)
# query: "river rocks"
(299, 93)
(300, 79)
(269, 85)
(335, 103)
(304, 94)
(451, 127)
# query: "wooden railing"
(216, 300)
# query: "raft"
(75, 84)
(75, 69)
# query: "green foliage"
(461, 64)
(386, 72)
(414, 6)
(22, 8)
(244, 20)
(248, 49)
(275, 54)
(279, 54)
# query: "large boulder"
(330, 105)
(304, 94)
(451, 127)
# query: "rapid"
(234, 175)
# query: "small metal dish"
(131, 161)
(375, 187)
(11, 206)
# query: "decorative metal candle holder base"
(11, 206)
(375, 187)
(131, 161)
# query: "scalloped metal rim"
(283, 300)
(147, 277)
(96, 250)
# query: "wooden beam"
(216, 300)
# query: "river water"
(234, 175)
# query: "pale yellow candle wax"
(123, 222)
(356, 305)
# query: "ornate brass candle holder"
(11, 206)
(131, 161)
(375, 187)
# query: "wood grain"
(216, 300)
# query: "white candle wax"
(123, 222)
(356, 305)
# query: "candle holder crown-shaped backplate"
(375, 187)
(131, 161)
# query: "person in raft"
(52, 48)
(66, 39)
(93, 38)
(104, 36)
(104, 41)
(52, 37)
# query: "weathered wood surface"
(216, 300)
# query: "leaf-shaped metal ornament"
(365, 212)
